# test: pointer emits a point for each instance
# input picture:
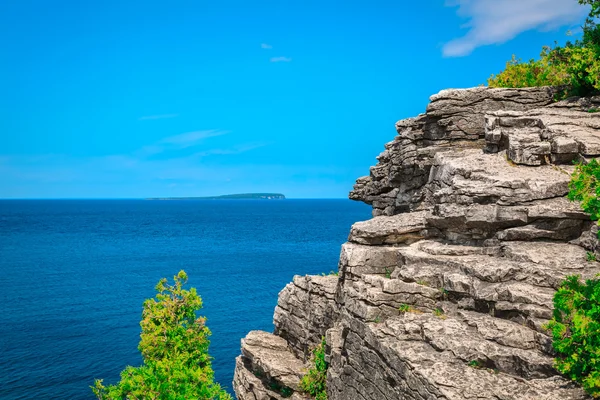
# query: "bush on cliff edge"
(575, 329)
(575, 325)
(576, 66)
(585, 188)
(174, 346)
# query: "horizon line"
(188, 198)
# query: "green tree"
(174, 346)
(590, 29)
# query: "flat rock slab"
(383, 230)
(269, 358)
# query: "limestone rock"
(444, 293)
(455, 119)
(305, 310)
(267, 369)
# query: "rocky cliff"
(443, 293)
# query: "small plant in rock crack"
(422, 282)
(594, 110)
(590, 256)
(388, 273)
(444, 293)
(315, 381)
(438, 312)
(474, 364)
(404, 308)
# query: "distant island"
(240, 196)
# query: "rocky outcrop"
(443, 294)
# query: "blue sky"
(131, 99)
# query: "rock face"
(444, 292)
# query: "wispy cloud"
(234, 150)
(184, 159)
(281, 59)
(494, 21)
(266, 46)
(178, 142)
(191, 138)
(161, 116)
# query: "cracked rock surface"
(443, 294)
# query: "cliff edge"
(443, 293)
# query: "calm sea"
(74, 275)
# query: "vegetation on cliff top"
(174, 346)
(575, 67)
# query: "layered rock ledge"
(443, 294)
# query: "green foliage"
(575, 328)
(315, 381)
(174, 346)
(591, 33)
(584, 188)
(543, 72)
(388, 273)
(575, 67)
(438, 312)
(594, 110)
(474, 364)
(404, 308)
(595, 7)
(590, 256)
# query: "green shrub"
(584, 188)
(544, 72)
(174, 346)
(575, 328)
(404, 308)
(575, 67)
(315, 381)
(582, 64)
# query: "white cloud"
(191, 138)
(178, 142)
(281, 59)
(234, 150)
(161, 116)
(266, 46)
(497, 21)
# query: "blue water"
(74, 275)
